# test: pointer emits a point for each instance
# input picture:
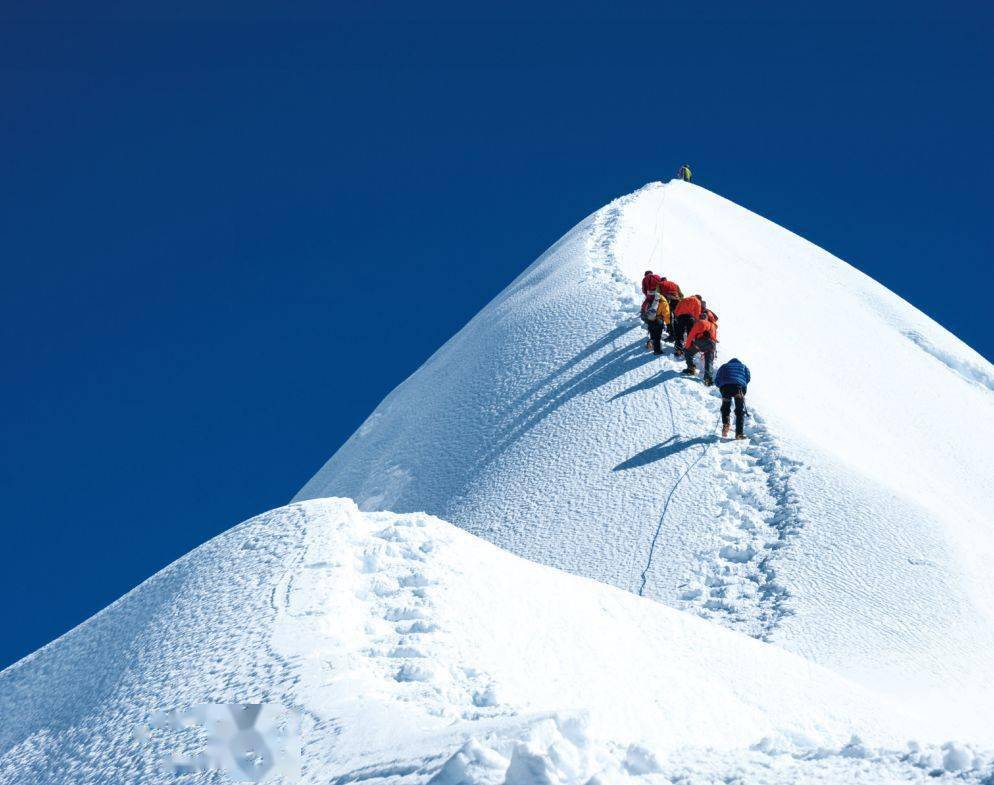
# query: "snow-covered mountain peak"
(837, 559)
(854, 527)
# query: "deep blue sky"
(203, 213)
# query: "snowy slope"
(854, 529)
(414, 649)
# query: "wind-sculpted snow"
(412, 651)
(200, 631)
(855, 527)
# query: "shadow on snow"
(670, 447)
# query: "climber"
(684, 173)
(649, 283)
(656, 315)
(732, 379)
(671, 291)
(702, 338)
(685, 314)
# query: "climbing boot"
(739, 436)
(689, 371)
(724, 431)
(708, 381)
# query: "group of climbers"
(692, 327)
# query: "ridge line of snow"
(782, 522)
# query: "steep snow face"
(855, 527)
(413, 650)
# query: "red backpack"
(670, 289)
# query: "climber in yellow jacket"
(656, 315)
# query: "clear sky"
(226, 232)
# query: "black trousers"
(656, 334)
(705, 347)
(669, 324)
(681, 326)
(736, 392)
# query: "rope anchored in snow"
(666, 506)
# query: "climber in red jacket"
(703, 339)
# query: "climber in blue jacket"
(732, 379)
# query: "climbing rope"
(658, 228)
(666, 506)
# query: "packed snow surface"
(415, 651)
(854, 528)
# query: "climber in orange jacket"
(687, 311)
(671, 291)
(703, 339)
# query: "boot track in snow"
(759, 511)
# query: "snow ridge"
(737, 586)
(972, 372)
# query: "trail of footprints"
(604, 265)
(400, 592)
(389, 570)
(738, 585)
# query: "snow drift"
(414, 650)
(855, 529)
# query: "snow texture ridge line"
(972, 372)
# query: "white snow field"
(855, 528)
(817, 600)
(415, 651)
